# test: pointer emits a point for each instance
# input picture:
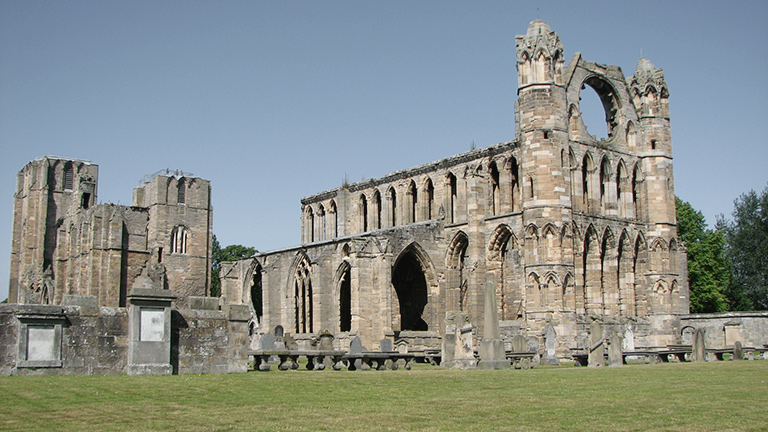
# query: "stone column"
(492, 354)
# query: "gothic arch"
(455, 261)
(610, 274)
(343, 295)
(303, 294)
(506, 269)
(429, 199)
(415, 283)
(592, 263)
(252, 291)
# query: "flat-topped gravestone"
(596, 347)
(267, 342)
(550, 345)
(519, 344)
(615, 354)
(385, 345)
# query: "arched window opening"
(302, 285)
(322, 227)
(393, 206)
(456, 260)
(605, 177)
(514, 176)
(377, 207)
(69, 177)
(256, 294)
(430, 191)
(179, 239)
(411, 288)
(586, 169)
(363, 213)
(182, 192)
(310, 225)
(453, 190)
(334, 220)
(413, 202)
(598, 107)
(531, 193)
(631, 136)
(345, 300)
(495, 196)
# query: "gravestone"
(267, 342)
(738, 352)
(279, 338)
(448, 351)
(550, 345)
(596, 345)
(356, 347)
(699, 350)
(628, 344)
(492, 353)
(519, 344)
(615, 357)
(385, 345)
(326, 341)
(401, 346)
(464, 357)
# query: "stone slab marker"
(492, 353)
(448, 352)
(615, 357)
(596, 349)
(464, 356)
(149, 332)
(699, 353)
(738, 352)
(550, 345)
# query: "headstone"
(356, 347)
(596, 345)
(629, 339)
(699, 352)
(267, 342)
(464, 357)
(492, 353)
(615, 357)
(738, 352)
(550, 345)
(519, 344)
(279, 338)
(448, 352)
(326, 341)
(385, 345)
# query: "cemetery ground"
(717, 396)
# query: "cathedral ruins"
(554, 233)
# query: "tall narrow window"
(377, 207)
(430, 190)
(179, 240)
(495, 196)
(363, 213)
(393, 206)
(452, 197)
(69, 176)
(182, 195)
(302, 285)
(413, 201)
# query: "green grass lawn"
(716, 396)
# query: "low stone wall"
(89, 340)
(723, 330)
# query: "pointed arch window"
(179, 240)
(182, 193)
(430, 192)
(302, 298)
(363, 213)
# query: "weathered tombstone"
(267, 342)
(738, 352)
(596, 347)
(519, 344)
(550, 345)
(464, 357)
(401, 346)
(279, 338)
(326, 341)
(385, 345)
(448, 352)
(628, 343)
(492, 352)
(289, 343)
(699, 350)
(356, 347)
(615, 355)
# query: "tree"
(219, 255)
(747, 249)
(709, 274)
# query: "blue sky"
(274, 101)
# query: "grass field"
(716, 396)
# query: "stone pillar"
(492, 353)
(596, 345)
(699, 352)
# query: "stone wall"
(725, 329)
(95, 340)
